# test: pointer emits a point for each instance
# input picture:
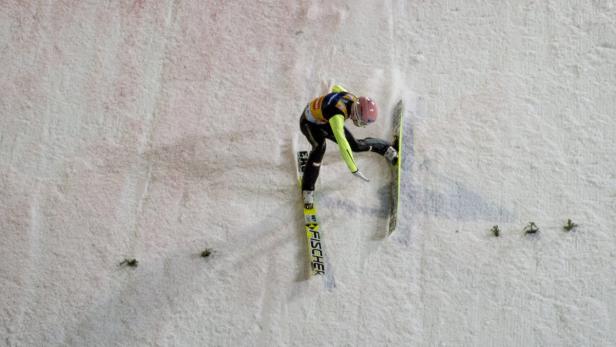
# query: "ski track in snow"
(152, 130)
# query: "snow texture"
(156, 129)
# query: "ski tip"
(399, 106)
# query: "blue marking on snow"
(452, 200)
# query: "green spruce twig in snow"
(495, 230)
(531, 228)
(206, 253)
(130, 262)
(570, 225)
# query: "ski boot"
(308, 196)
(392, 155)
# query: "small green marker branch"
(206, 253)
(130, 262)
(495, 230)
(531, 228)
(570, 225)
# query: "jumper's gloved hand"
(361, 175)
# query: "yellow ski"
(398, 122)
(311, 225)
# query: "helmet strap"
(355, 116)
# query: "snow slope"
(155, 129)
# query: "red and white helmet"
(364, 111)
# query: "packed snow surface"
(156, 129)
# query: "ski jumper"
(323, 118)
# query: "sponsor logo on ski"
(316, 250)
